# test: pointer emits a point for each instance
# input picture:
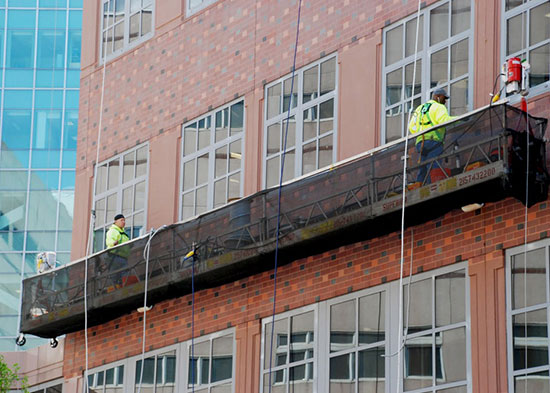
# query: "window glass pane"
(341, 373)
(170, 369)
(535, 280)
(17, 99)
(309, 156)
(199, 363)
(394, 45)
(280, 343)
(139, 196)
(135, 5)
(188, 204)
(118, 40)
(127, 201)
(289, 168)
(73, 49)
(13, 180)
(420, 314)
(325, 151)
(515, 39)
(111, 208)
(110, 376)
(204, 132)
(220, 161)
(393, 124)
(113, 180)
(235, 156)
(201, 200)
(371, 368)
(342, 326)
(328, 76)
(237, 118)
(188, 175)
(101, 181)
(534, 382)
(222, 361)
(540, 65)
(459, 100)
(23, 78)
(287, 86)
(147, 20)
(439, 67)
(460, 16)
(450, 356)
(20, 49)
(100, 378)
(450, 302)
(141, 161)
(394, 83)
(530, 339)
(100, 213)
(222, 122)
(310, 118)
(137, 226)
(459, 59)
(119, 10)
(16, 129)
(273, 101)
(134, 26)
(234, 186)
(128, 171)
(301, 332)
(38, 216)
(418, 363)
(439, 24)
(49, 19)
(326, 110)
(372, 318)
(272, 171)
(148, 372)
(273, 138)
(310, 89)
(21, 19)
(202, 169)
(539, 28)
(220, 193)
(409, 71)
(44, 180)
(513, 4)
(289, 128)
(189, 139)
(410, 43)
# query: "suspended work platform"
(484, 159)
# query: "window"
(528, 303)
(159, 373)
(212, 161)
(292, 359)
(210, 365)
(124, 24)
(194, 6)
(49, 387)
(445, 59)
(526, 35)
(435, 353)
(109, 379)
(350, 342)
(312, 125)
(357, 343)
(121, 187)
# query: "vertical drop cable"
(195, 361)
(525, 241)
(279, 193)
(405, 155)
(92, 216)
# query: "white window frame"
(186, 354)
(211, 151)
(133, 385)
(193, 10)
(297, 112)
(115, 365)
(126, 45)
(118, 190)
(425, 55)
(519, 250)
(43, 386)
(505, 15)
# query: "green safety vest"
(116, 236)
(426, 116)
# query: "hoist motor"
(515, 75)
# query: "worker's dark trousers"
(430, 149)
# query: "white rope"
(92, 217)
(525, 239)
(405, 155)
(146, 252)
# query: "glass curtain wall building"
(40, 44)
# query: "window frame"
(118, 191)
(183, 385)
(105, 367)
(190, 11)
(510, 313)
(425, 55)
(126, 44)
(44, 386)
(211, 151)
(297, 112)
(504, 17)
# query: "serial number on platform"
(476, 176)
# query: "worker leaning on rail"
(430, 144)
(115, 236)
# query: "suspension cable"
(279, 193)
(527, 131)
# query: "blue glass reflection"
(49, 19)
(10, 241)
(16, 128)
(53, 3)
(40, 240)
(44, 180)
(70, 132)
(75, 19)
(75, 3)
(45, 158)
(51, 49)
(73, 78)
(21, 19)
(67, 180)
(73, 49)
(49, 78)
(10, 263)
(17, 99)
(48, 99)
(13, 210)
(69, 158)
(22, 3)
(20, 49)
(14, 158)
(2, 18)
(19, 78)
(47, 129)
(71, 99)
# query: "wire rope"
(279, 194)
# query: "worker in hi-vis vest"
(115, 236)
(430, 144)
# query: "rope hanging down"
(279, 194)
